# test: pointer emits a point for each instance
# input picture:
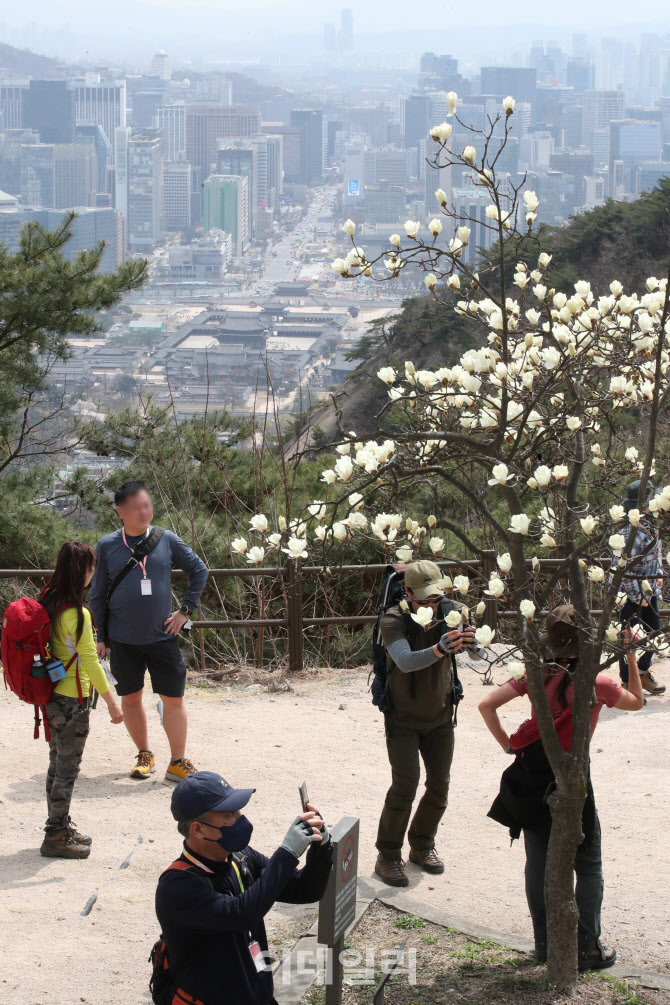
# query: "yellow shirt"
(63, 648)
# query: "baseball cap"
(206, 791)
(423, 579)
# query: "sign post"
(337, 909)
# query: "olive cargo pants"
(405, 746)
(69, 726)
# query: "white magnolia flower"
(527, 608)
(451, 100)
(318, 509)
(505, 562)
(339, 531)
(412, 227)
(463, 234)
(441, 196)
(469, 154)
(573, 423)
(436, 544)
(259, 523)
(519, 523)
(500, 474)
(617, 513)
(340, 265)
(404, 553)
(275, 541)
(442, 132)
(387, 374)
(588, 524)
(484, 636)
(480, 608)
(631, 454)
(431, 280)
(634, 516)
(491, 212)
(239, 546)
(435, 227)
(496, 588)
(544, 259)
(547, 541)
(344, 468)
(423, 616)
(560, 472)
(329, 477)
(349, 227)
(320, 533)
(431, 521)
(297, 548)
(453, 619)
(394, 239)
(508, 104)
(646, 586)
(255, 556)
(454, 282)
(612, 631)
(516, 670)
(595, 574)
(282, 522)
(531, 201)
(617, 543)
(462, 584)
(404, 606)
(542, 476)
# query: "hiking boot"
(76, 836)
(61, 844)
(593, 955)
(650, 684)
(391, 871)
(176, 770)
(145, 765)
(427, 859)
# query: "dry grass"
(232, 675)
(452, 968)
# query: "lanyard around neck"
(143, 563)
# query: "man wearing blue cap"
(212, 900)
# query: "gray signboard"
(337, 909)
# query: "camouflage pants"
(69, 725)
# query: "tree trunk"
(566, 804)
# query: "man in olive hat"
(418, 721)
(641, 607)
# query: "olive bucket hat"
(560, 639)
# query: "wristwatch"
(184, 609)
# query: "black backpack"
(392, 592)
(163, 983)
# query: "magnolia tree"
(528, 427)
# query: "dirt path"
(52, 955)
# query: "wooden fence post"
(489, 565)
(294, 614)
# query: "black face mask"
(234, 837)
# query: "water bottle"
(38, 668)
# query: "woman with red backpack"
(521, 803)
(72, 641)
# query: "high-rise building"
(416, 110)
(161, 65)
(346, 39)
(11, 102)
(581, 75)
(101, 103)
(632, 143)
(49, 107)
(439, 72)
(372, 120)
(121, 142)
(354, 174)
(10, 158)
(96, 138)
(520, 82)
(310, 124)
(225, 199)
(145, 106)
(38, 175)
(214, 87)
(88, 228)
(176, 195)
(145, 190)
(290, 139)
(649, 174)
(599, 108)
(171, 120)
(206, 125)
(76, 175)
(241, 159)
(269, 149)
(577, 163)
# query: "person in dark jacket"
(521, 804)
(212, 901)
(137, 625)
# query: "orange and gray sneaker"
(182, 768)
(650, 684)
(144, 765)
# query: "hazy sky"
(201, 26)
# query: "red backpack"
(25, 634)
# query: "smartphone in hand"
(304, 798)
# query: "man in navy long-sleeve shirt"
(141, 627)
(211, 902)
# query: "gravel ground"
(328, 733)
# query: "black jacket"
(208, 922)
